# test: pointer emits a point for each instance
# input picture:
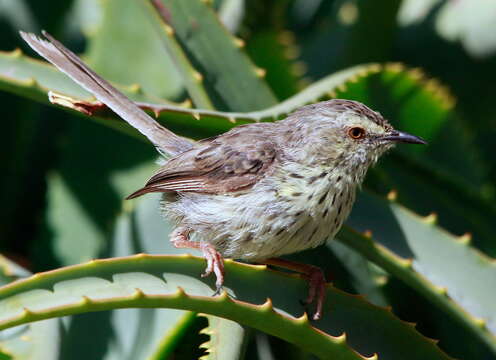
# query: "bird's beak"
(403, 137)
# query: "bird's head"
(344, 134)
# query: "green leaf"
(31, 78)
(18, 14)
(232, 81)
(428, 259)
(75, 236)
(227, 339)
(126, 33)
(173, 282)
(38, 341)
(197, 121)
(275, 52)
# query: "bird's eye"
(356, 132)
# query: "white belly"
(264, 223)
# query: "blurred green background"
(64, 177)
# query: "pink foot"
(316, 282)
(215, 262)
(316, 291)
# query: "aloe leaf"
(37, 341)
(192, 79)
(367, 278)
(412, 248)
(125, 32)
(10, 271)
(187, 121)
(31, 78)
(460, 206)
(75, 236)
(173, 282)
(275, 51)
(142, 333)
(227, 339)
(80, 229)
(232, 81)
(18, 14)
(85, 16)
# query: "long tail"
(68, 62)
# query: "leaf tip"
(137, 294)
(135, 89)
(260, 73)
(481, 323)
(197, 76)
(169, 31)
(441, 290)
(392, 195)
(179, 294)
(238, 42)
(303, 319)
(223, 296)
(395, 67)
(85, 301)
(16, 53)
(465, 239)
(430, 219)
(406, 263)
(26, 313)
(340, 339)
(368, 234)
(266, 306)
(186, 104)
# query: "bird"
(258, 191)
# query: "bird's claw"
(316, 291)
(215, 264)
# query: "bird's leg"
(315, 277)
(215, 262)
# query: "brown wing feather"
(229, 163)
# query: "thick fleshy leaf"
(227, 339)
(125, 33)
(28, 77)
(37, 341)
(428, 259)
(230, 78)
(173, 282)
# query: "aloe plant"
(413, 266)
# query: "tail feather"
(68, 62)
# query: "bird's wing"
(229, 163)
(68, 62)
